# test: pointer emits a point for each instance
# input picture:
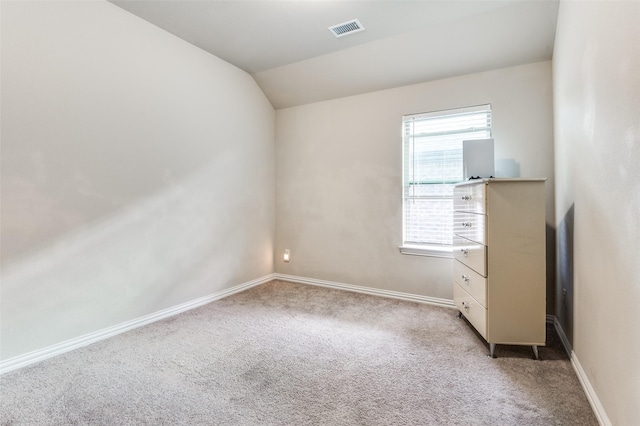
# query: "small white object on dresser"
(499, 246)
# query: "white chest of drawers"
(499, 268)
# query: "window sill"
(430, 251)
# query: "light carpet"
(291, 354)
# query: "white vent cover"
(346, 28)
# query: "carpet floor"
(290, 354)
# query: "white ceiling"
(287, 48)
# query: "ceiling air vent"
(346, 28)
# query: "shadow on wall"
(564, 289)
(44, 199)
(163, 250)
(551, 270)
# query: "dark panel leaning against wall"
(564, 287)
(551, 270)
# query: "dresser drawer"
(474, 312)
(471, 226)
(470, 198)
(474, 283)
(472, 254)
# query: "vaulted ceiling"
(287, 47)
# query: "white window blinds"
(432, 164)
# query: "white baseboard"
(87, 339)
(447, 303)
(592, 397)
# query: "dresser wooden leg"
(535, 351)
(492, 350)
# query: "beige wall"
(339, 180)
(137, 172)
(597, 116)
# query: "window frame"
(434, 249)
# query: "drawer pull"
(466, 197)
(466, 224)
(464, 252)
(465, 278)
(465, 305)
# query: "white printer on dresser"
(499, 267)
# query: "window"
(432, 164)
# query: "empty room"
(319, 212)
